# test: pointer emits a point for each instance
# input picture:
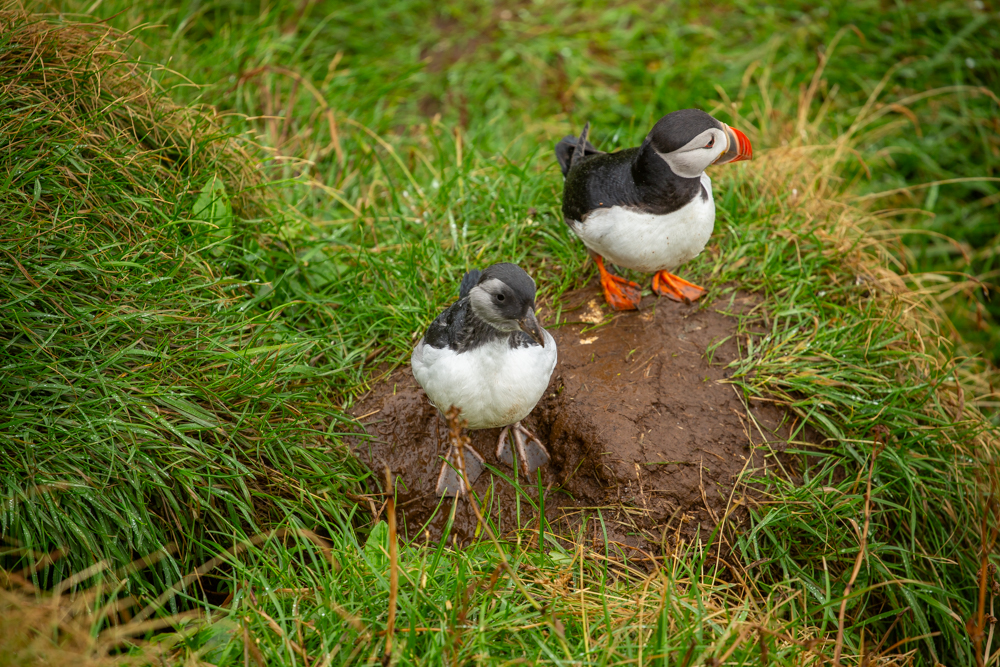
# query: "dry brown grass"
(49, 629)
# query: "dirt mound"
(637, 421)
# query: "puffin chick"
(648, 208)
(488, 355)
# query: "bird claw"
(531, 453)
(449, 481)
(671, 286)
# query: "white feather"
(494, 385)
(647, 242)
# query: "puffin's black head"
(505, 298)
(690, 140)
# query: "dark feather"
(458, 328)
(448, 328)
(469, 281)
(567, 153)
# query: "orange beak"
(739, 147)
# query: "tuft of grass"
(148, 395)
(857, 357)
(50, 632)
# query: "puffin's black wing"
(567, 153)
(446, 329)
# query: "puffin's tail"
(581, 145)
(469, 280)
(569, 151)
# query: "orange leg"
(620, 294)
(668, 285)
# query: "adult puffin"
(648, 208)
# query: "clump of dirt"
(638, 422)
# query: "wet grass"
(498, 72)
(180, 346)
(143, 381)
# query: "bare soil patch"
(637, 419)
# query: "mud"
(638, 421)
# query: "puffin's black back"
(635, 177)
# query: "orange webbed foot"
(668, 285)
(621, 294)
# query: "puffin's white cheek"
(689, 164)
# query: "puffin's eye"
(711, 142)
(499, 297)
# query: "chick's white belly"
(647, 242)
(493, 385)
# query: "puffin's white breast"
(648, 242)
(494, 385)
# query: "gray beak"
(530, 326)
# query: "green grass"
(190, 392)
(146, 391)
(534, 73)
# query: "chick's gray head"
(505, 298)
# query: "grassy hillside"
(145, 379)
(192, 293)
